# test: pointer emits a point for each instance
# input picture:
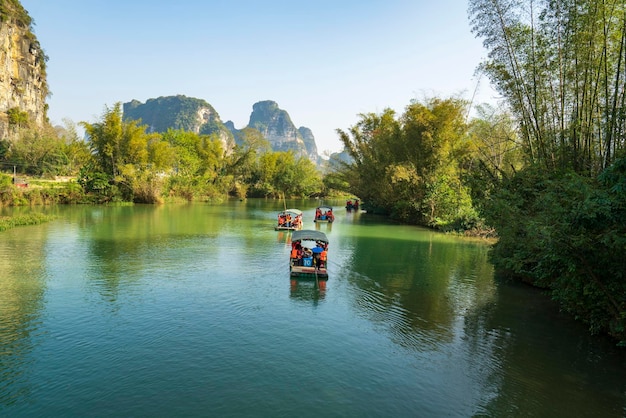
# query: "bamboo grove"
(561, 219)
(561, 66)
(547, 171)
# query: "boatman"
(317, 251)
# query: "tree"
(241, 162)
(561, 67)
(370, 144)
(410, 168)
(121, 151)
(39, 153)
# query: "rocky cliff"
(196, 115)
(309, 142)
(179, 112)
(276, 126)
(23, 85)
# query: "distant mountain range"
(197, 115)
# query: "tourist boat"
(289, 220)
(308, 256)
(324, 214)
(352, 205)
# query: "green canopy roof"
(309, 235)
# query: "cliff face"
(276, 126)
(196, 115)
(23, 85)
(309, 142)
(179, 112)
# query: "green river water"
(189, 310)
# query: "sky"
(324, 62)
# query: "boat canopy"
(296, 211)
(324, 207)
(309, 235)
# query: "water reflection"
(418, 321)
(514, 344)
(324, 226)
(132, 242)
(419, 299)
(308, 290)
(443, 302)
(22, 289)
(284, 237)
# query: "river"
(189, 310)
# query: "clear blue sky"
(324, 61)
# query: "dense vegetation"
(122, 162)
(547, 172)
(412, 167)
(562, 68)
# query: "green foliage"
(12, 10)
(280, 174)
(561, 70)
(17, 118)
(6, 181)
(72, 193)
(410, 168)
(98, 184)
(146, 185)
(566, 233)
(42, 153)
(122, 169)
(34, 218)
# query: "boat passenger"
(296, 253)
(323, 257)
(316, 255)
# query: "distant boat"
(289, 220)
(309, 256)
(350, 205)
(324, 214)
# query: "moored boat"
(289, 220)
(308, 258)
(324, 214)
